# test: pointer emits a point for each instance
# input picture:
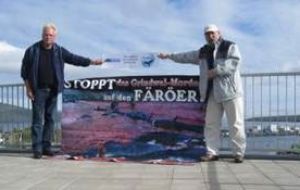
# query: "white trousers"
(235, 116)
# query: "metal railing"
(15, 118)
(272, 113)
(271, 103)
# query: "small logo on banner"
(112, 60)
(147, 60)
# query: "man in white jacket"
(221, 88)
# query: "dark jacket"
(30, 64)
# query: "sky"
(266, 32)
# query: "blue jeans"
(44, 108)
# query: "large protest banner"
(140, 118)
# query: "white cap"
(211, 28)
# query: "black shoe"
(48, 153)
(238, 159)
(209, 158)
(37, 155)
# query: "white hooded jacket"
(227, 84)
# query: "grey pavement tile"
(287, 181)
(238, 173)
(270, 165)
(25, 173)
(220, 186)
(291, 166)
(186, 173)
(277, 173)
(7, 164)
(158, 167)
(188, 185)
(219, 173)
(214, 168)
(86, 173)
(223, 179)
(4, 181)
(157, 173)
(254, 179)
(242, 168)
(154, 184)
(261, 187)
(290, 187)
(223, 176)
(96, 184)
(7, 187)
(23, 183)
(83, 183)
(127, 174)
(190, 168)
(289, 162)
(54, 183)
(151, 188)
(21, 177)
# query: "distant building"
(254, 130)
(1, 139)
(274, 128)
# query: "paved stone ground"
(21, 172)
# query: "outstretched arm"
(191, 57)
(78, 60)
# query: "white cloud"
(265, 31)
(10, 58)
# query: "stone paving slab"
(21, 172)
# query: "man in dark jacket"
(43, 73)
